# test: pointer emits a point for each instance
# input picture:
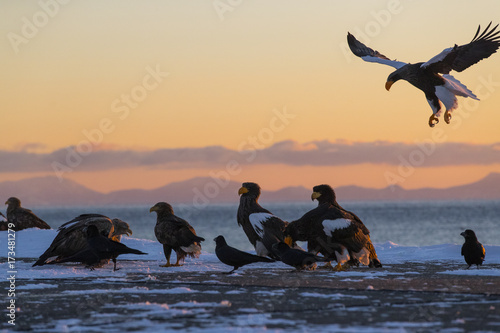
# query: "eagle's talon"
(447, 117)
(433, 118)
(340, 268)
(328, 265)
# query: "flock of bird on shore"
(330, 230)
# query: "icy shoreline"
(33, 242)
(418, 288)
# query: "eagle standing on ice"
(333, 231)
(262, 228)
(425, 75)
(175, 234)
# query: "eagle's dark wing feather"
(370, 55)
(461, 57)
(72, 238)
(24, 218)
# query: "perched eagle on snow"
(262, 228)
(333, 231)
(21, 217)
(175, 234)
(72, 236)
(425, 75)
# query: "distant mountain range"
(49, 191)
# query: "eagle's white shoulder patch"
(257, 219)
(437, 58)
(330, 226)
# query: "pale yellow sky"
(170, 74)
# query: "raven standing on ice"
(234, 257)
(472, 250)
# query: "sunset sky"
(151, 92)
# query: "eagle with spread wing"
(72, 236)
(426, 75)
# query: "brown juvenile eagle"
(22, 218)
(333, 231)
(175, 234)
(72, 236)
(425, 75)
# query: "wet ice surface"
(418, 289)
(140, 304)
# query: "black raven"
(297, 258)
(99, 248)
(234, 257)
(472, 250)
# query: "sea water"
(416, 223)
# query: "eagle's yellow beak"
(315, 195)
(7, 202)
(242, 190)
(388, 85)
(288, 241)
(152, 209)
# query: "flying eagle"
(425, 75)
(72, 236)
(472, 250)
(262, 228)
(175, 234)
(333, 231)
(98, 249)
(234, 257)
(21, 217)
